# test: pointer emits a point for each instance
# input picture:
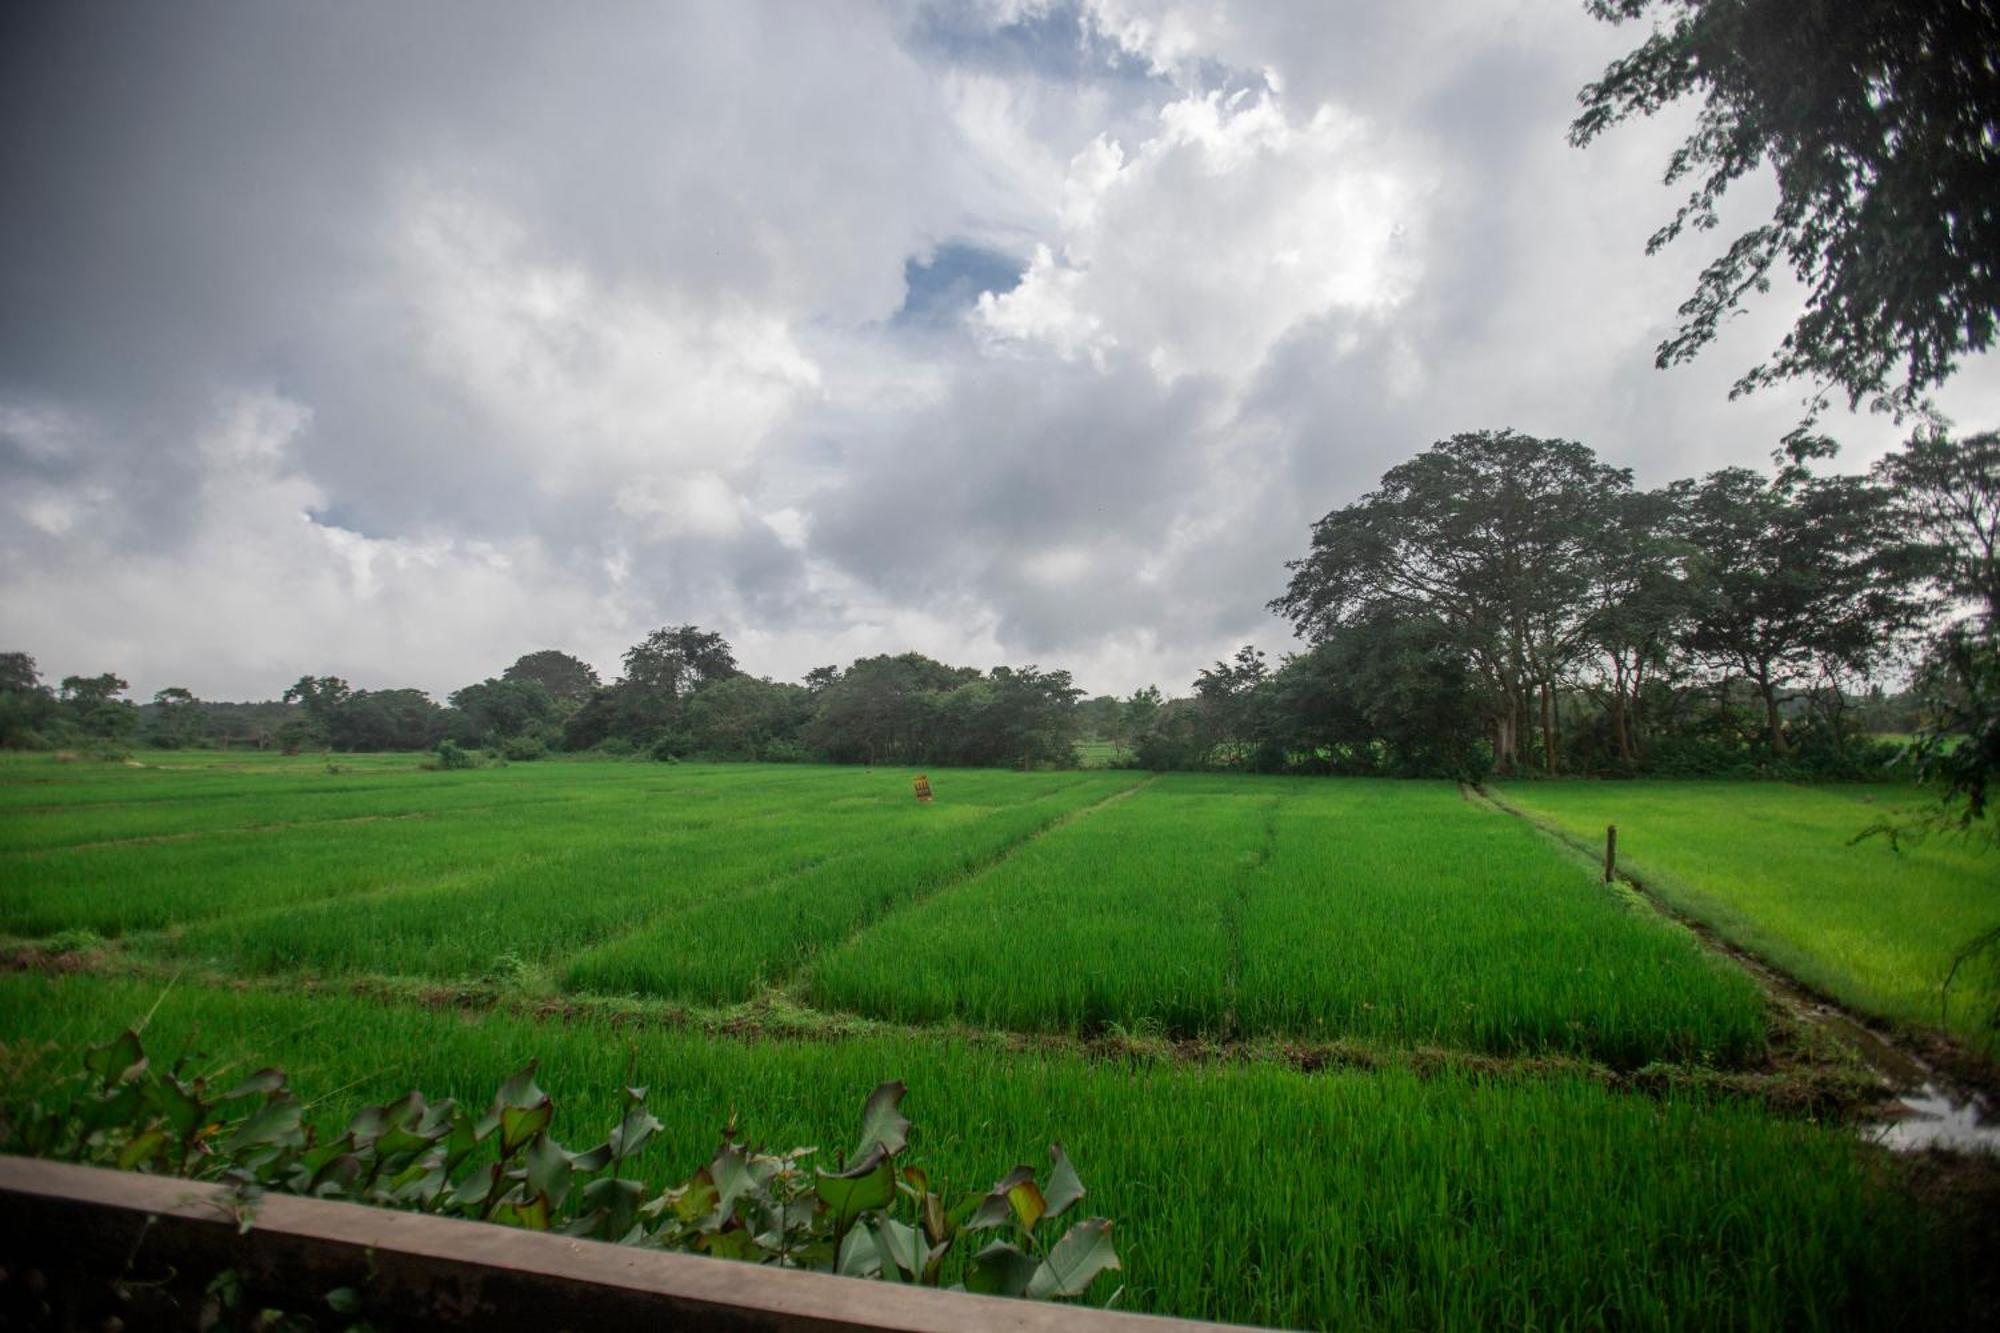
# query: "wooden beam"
(442, 1272)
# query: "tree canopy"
(1879, 122)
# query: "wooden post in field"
(923, 787)
(1610, 852)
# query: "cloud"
(396, 342)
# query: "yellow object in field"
(923, 787)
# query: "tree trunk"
(1773, 727)
(1548, 728)
(1621, 729)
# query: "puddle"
(1933, 1119)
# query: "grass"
(1775, 868)
(1386, 911)
(1388, 923)
(1346, 1199)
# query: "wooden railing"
(439, 1272)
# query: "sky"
(393, 342)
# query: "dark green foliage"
(175, 719)
(497, 710)
(93, 708)
(450, 755)
(871, 1215)
(1878, 121)
(566, 679)
(28, 708)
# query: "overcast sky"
(393, 341)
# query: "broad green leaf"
(117, 1059)
(173, 1103)
(276, 1122)
(1083, 1252)
(867, 1184)
(518, 1124)
(617, 1201)
(259, 1083)
(519, 1090)
(738, 1175)
(549, 1168)
(1028, 1204)
(1065, 1187)
(143, 1148)
(882, 1123)
(860, 1256)
(472, 1191)
(1001, 1269)
(632, 1133)
(736, 1243)
(532, 1213)
(697, 1199)
(995, 1209)
(903, 1251)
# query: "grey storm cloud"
(395, 341)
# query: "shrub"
(449, 755)
(870, 1216)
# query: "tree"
(743, 717)
(318, 698)
(1946, 495)
(677, 661)
(1879, 122)
(1494, 536)
(375, 720)
(177, 718)
(1642, 607)
(885, 710)
(1947, 504)
(1793, 578)
(96, 709)
(566, 679)
(27, 707)
(1138, 714)
(497, 710)
(1232, 701)
(1387, 694)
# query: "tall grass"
(1339, 1200)
(1401, 912)
(1125, 917)
(1776, 868)
(724, 949)
(1378, 910)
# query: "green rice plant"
(1776, 868)
(1343, 1199)
(1380, 910)
(725, 949)
(544, 898)
(1124, 917)
(1401, 912)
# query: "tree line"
(680, 695)
(1501, 602)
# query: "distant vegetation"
(1500, 603)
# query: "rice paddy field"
(1332, 1053)
(1778, 869)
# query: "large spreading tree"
(1878, 121)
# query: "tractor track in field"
(1916, 1069)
